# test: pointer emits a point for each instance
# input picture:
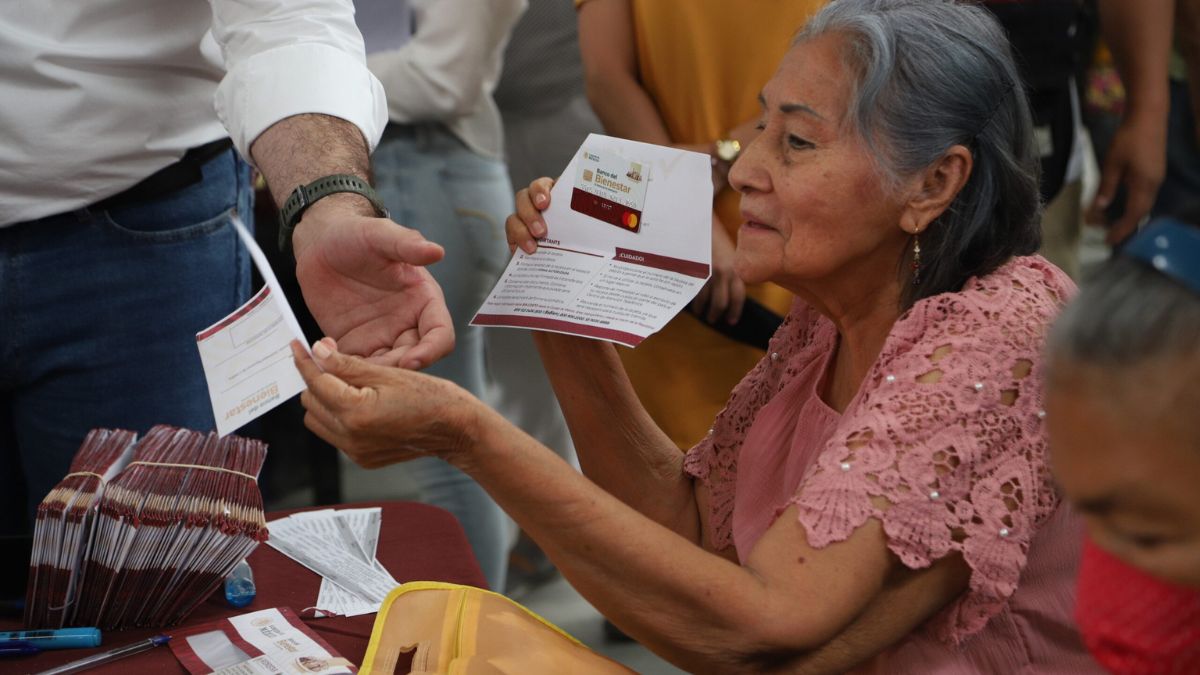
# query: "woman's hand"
(526, 226)
(379, 415)
(724, 295)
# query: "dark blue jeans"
(1180, 192)
(99, 311)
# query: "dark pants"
(99, 310)
(1180, 191)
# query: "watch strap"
(305, 196)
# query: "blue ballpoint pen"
(18, 648)
(110, 655)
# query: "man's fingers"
(1110, 180)
(402, 244)
(434, 344)
(1140, 200)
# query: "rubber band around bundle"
(85, 473)
(198, 466)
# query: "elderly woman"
(1125, 439)
(875, 494)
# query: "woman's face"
(1126, 455)
(813, 203)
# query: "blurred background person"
(1053, 41)
(1134, 163)
(1049, 40)
(440, 164)
(689, 74)
(546, 117)
(1180, 191)
(1121, 408)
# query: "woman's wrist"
(485, 434)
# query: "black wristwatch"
(305, 196)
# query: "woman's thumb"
(347, 368)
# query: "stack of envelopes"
(155, 531)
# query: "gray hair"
(1127, 315)
(933, 74)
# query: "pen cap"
(59, 638)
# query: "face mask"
(1134, 623)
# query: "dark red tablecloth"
(416, 543)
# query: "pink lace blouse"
(947, 427)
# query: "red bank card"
(611, 189)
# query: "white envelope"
(247, 356)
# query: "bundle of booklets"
(141, 531)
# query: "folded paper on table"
(265, 642)
(339, 545)
(628, 245)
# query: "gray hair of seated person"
(932, 74)
(1129, 315)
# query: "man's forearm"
(1139, 35)
(300, 149)
(1187, 28)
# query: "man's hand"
(1139, 35)
(1137, 161)
(363, 280)
(361, 276)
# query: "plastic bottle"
(239, 585)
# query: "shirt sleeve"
(291, 57)
(949, 433)
(439, 73)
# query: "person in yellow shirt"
(688, 74)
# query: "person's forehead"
(1108, 455)
(813, 71)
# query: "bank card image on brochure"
(610, 188)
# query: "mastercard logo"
(630, 220)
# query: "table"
(417, 542)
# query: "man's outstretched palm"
(364, 281)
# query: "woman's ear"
(938, 187)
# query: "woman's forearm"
(620, 448)
(697, 609)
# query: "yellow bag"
(462, 630)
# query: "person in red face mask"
(1123, 414)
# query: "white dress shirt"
(446, 72)
(96, 95)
